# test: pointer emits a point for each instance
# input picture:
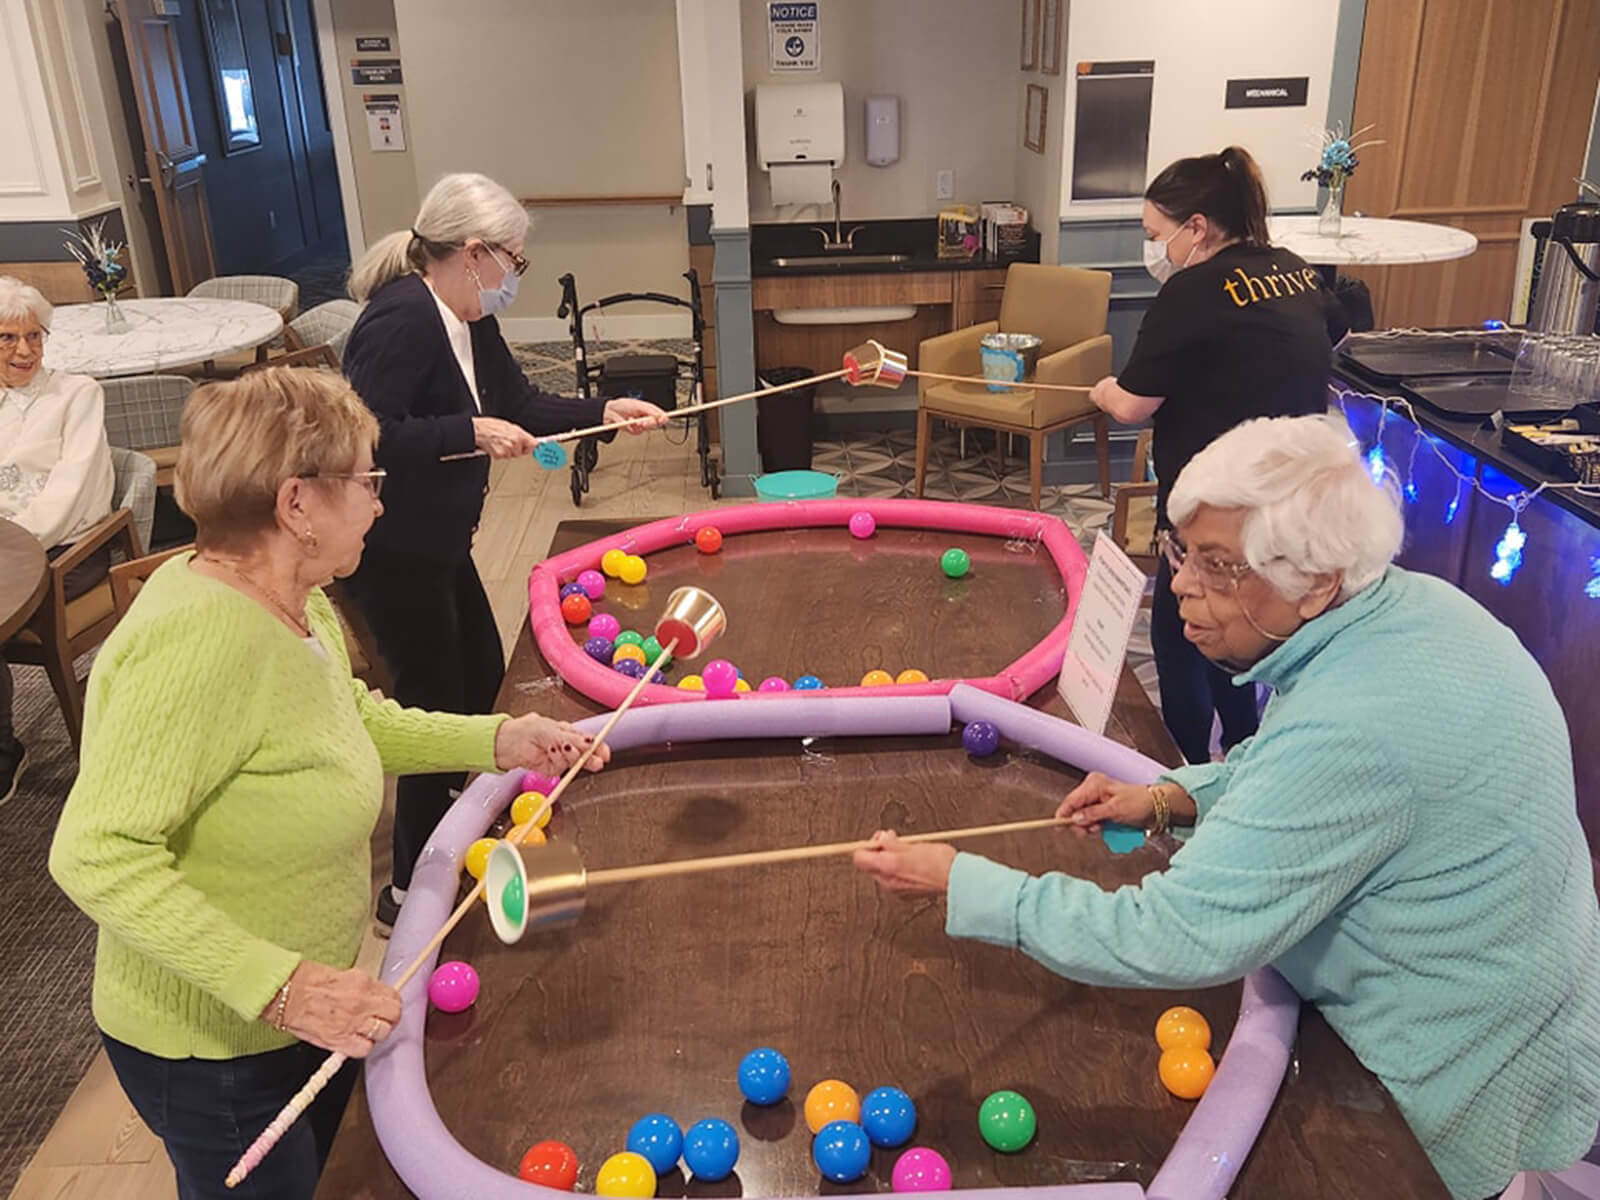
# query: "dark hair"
(1225, 187)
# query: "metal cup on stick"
(874, 364)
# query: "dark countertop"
(915, 237)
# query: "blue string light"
(1508, 553)
(1455, 503)
(1592, 588)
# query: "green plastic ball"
(651, 648)
(629, 637)
(954, 562)
(1007, 1121)
(512, 900)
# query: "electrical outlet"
(944, 185)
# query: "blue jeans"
(1192, 686)
(207, 1112)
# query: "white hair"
(1311, 505)
(457, 208)
(19, 300)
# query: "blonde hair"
(457, 208)
(242, 438)
(19, 301)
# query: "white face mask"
(1161, 267)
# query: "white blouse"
(55, 464)
(460, 335)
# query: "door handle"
(169, 172)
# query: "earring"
(310, 540)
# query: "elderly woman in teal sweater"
(1400, 838)
(231, 777)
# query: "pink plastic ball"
(720, 677)
(532, 781)
(593, 584)
(862, 525)
(452, 987)
(773, 683)
(606, 626)
(921, 1170)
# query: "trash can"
(783, 421)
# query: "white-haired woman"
(1400, 839)
(55, 465)
(428, 358)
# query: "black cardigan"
(400, 362)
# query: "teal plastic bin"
(797, 485)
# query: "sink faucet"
(839, 240)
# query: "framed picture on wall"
(1035, 118)
(1050, 36)
(230, 76)
(1030, 35)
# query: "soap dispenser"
(883, 130)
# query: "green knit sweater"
(219, 829)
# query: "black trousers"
(436, 633)
(1193, 688)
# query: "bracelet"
(276, 1019)
(1163, 810)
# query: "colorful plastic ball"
(831, 1100)
(573, 589)
(954, 562)
(862, 524)
(552, 1164)
(841, 1151)
(773, 683)
(877, 677)
(533, 781)
(708, 539)
(1183, 1027)
(633, 569)
(629, 637)
(921, 1170)
(692, 683)
(593, 583)
(710, 1149)
(741, 685)
(525, 805)
(720, 676)
(627, 651)
(652, 649)
(611, 562)
(659, 1139)
(888, 1116)
(911, 675)
(1007, 1121)
(626, 1174)
(476, 859)
(630, 668)
(764, 1076)
(604, 625)
(1186, 1071)
(576, 609)
(452, 987)
(981, 738)
(599, 649)
(808, 683)
(528, 837)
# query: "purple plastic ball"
(862, 524)
(593, 584)
(452, 987)
(572, 589)
(773, 683)
(599, 649)
(720, 677)
(604, 625)
(921, 1170)
(981, 738)
(630, 668)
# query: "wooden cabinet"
(978, 295)
(822, 347)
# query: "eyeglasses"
(1216, 574)
(519, 265)
(372, 480)
(35, 338)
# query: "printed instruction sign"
(385, 129)
(1098, 644)
(795, 36)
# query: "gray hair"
(19, 301)
(1311, 506)
(457, 208)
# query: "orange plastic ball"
(552, 1164)
(1183, 1026)
(611, 562)
(576, 609)
(1186, 1072)
(628, 650)
(708, 539)
(876, 678)
(831, 1100)
(911, 675)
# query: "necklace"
(299, 623)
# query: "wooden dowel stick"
(1003, 383)
(721, 862)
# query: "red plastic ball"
(708, 539)
(576, 608)
(552, 1164)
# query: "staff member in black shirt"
(1239, 329)
(427, 357)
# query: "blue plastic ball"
(659, 1139)
(808, 683)
(764, 1076)
(573, 589)
(630, 668)
(710, 1149)
(599, 649)
(888, 1116)
(980, 738)
(841, 1151)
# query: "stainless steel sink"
(842, 260)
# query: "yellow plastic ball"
(692, 683)
(831, 1100)
(626, 651)
(876, 678)
(1182, 1027)
(525, 805)
(477, 857)
(1186, 1071)
(741, 685)
(911, 675)
(626, 1174)
(633, 569)
(611, 562)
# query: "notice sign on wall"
(1268, 93)
(368, 72)
(794, 35)
(385, 129)
(1101, 627)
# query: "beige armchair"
(1066, 306)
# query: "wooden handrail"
(670, 199)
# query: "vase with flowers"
(103, 267)
(1333, 170)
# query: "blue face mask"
(496, 300)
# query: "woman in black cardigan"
(427, 357)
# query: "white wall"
(950, 62)
(1038, 176)
(1196, 51)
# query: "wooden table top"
(649, 1002)
(24, 576)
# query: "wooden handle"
(722, 862)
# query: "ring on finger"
(374, 1029)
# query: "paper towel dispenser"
(799, 122)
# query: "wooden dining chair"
(311, 356)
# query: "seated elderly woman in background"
(232, 774)
(1400, 839)
(55, 466)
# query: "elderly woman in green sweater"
(1400, 839)
(231, 777)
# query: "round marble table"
(162, 334)
(1370, 241)
(23, 577)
